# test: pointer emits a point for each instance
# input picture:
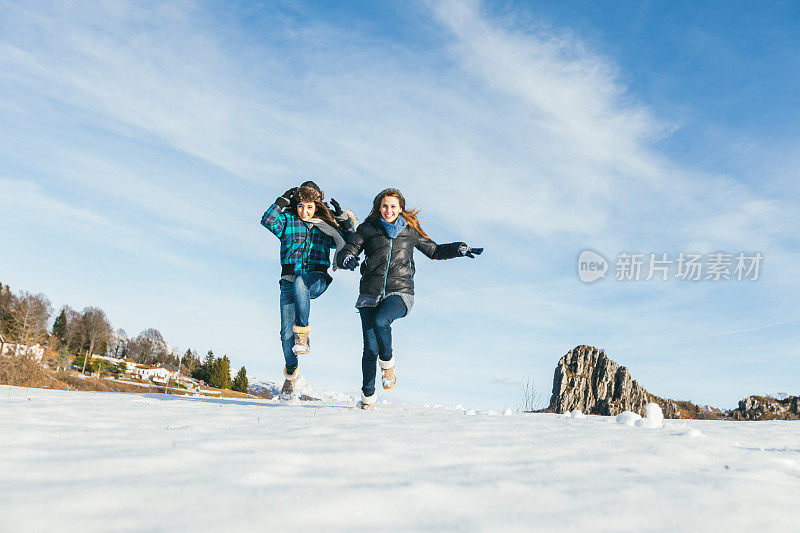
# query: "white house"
(155, 373)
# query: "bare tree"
(96, 328)
(531, 395)
(148, 347)
(118, 344)
(28, 318)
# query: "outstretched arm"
(273, 218)
(439, 251)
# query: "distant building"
(156, 373)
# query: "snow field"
(162, 463)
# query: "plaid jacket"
(304, 248)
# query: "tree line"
(24, 318)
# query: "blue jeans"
(376, 324)
(296, 307)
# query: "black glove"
(286, 198)
(350, 262)
(337, 209)
(470, 252)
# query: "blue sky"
(140, 143)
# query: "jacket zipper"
(388, 262)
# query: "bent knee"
(383, 323)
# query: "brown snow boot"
(368, 402)
(389, 377)
(289, 382)
(301, 342)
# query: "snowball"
(470, 412)
(459, 407)
(508, 412)
(628, 418)
(566, 415)
(653, 412)
(654, 418)
(576, 413)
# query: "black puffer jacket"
(389, 263)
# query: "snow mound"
(628, 418)
(256, 461)
(302, 387)
(508, 412)
(577, 413)
(654, 417)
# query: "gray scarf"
(332, 232)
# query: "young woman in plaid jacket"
(307, 230)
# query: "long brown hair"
(409, 214)
(309, 194)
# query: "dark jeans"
(376, 324)
(296, 307)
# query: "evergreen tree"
(189, 363)
(203, 372)
(60, 326)
(63, 359)
(6, 304)
(221, 373)
(240, 381)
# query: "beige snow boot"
(368, 402)
(291, 379)
(389, 377)
(301, 342)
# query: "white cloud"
(512, 136)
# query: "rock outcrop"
(587, 379)
(764, 408)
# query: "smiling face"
(306, 210)
(390, 208)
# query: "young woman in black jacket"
(388, 237)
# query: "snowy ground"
(88, 461)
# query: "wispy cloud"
(169, 128)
